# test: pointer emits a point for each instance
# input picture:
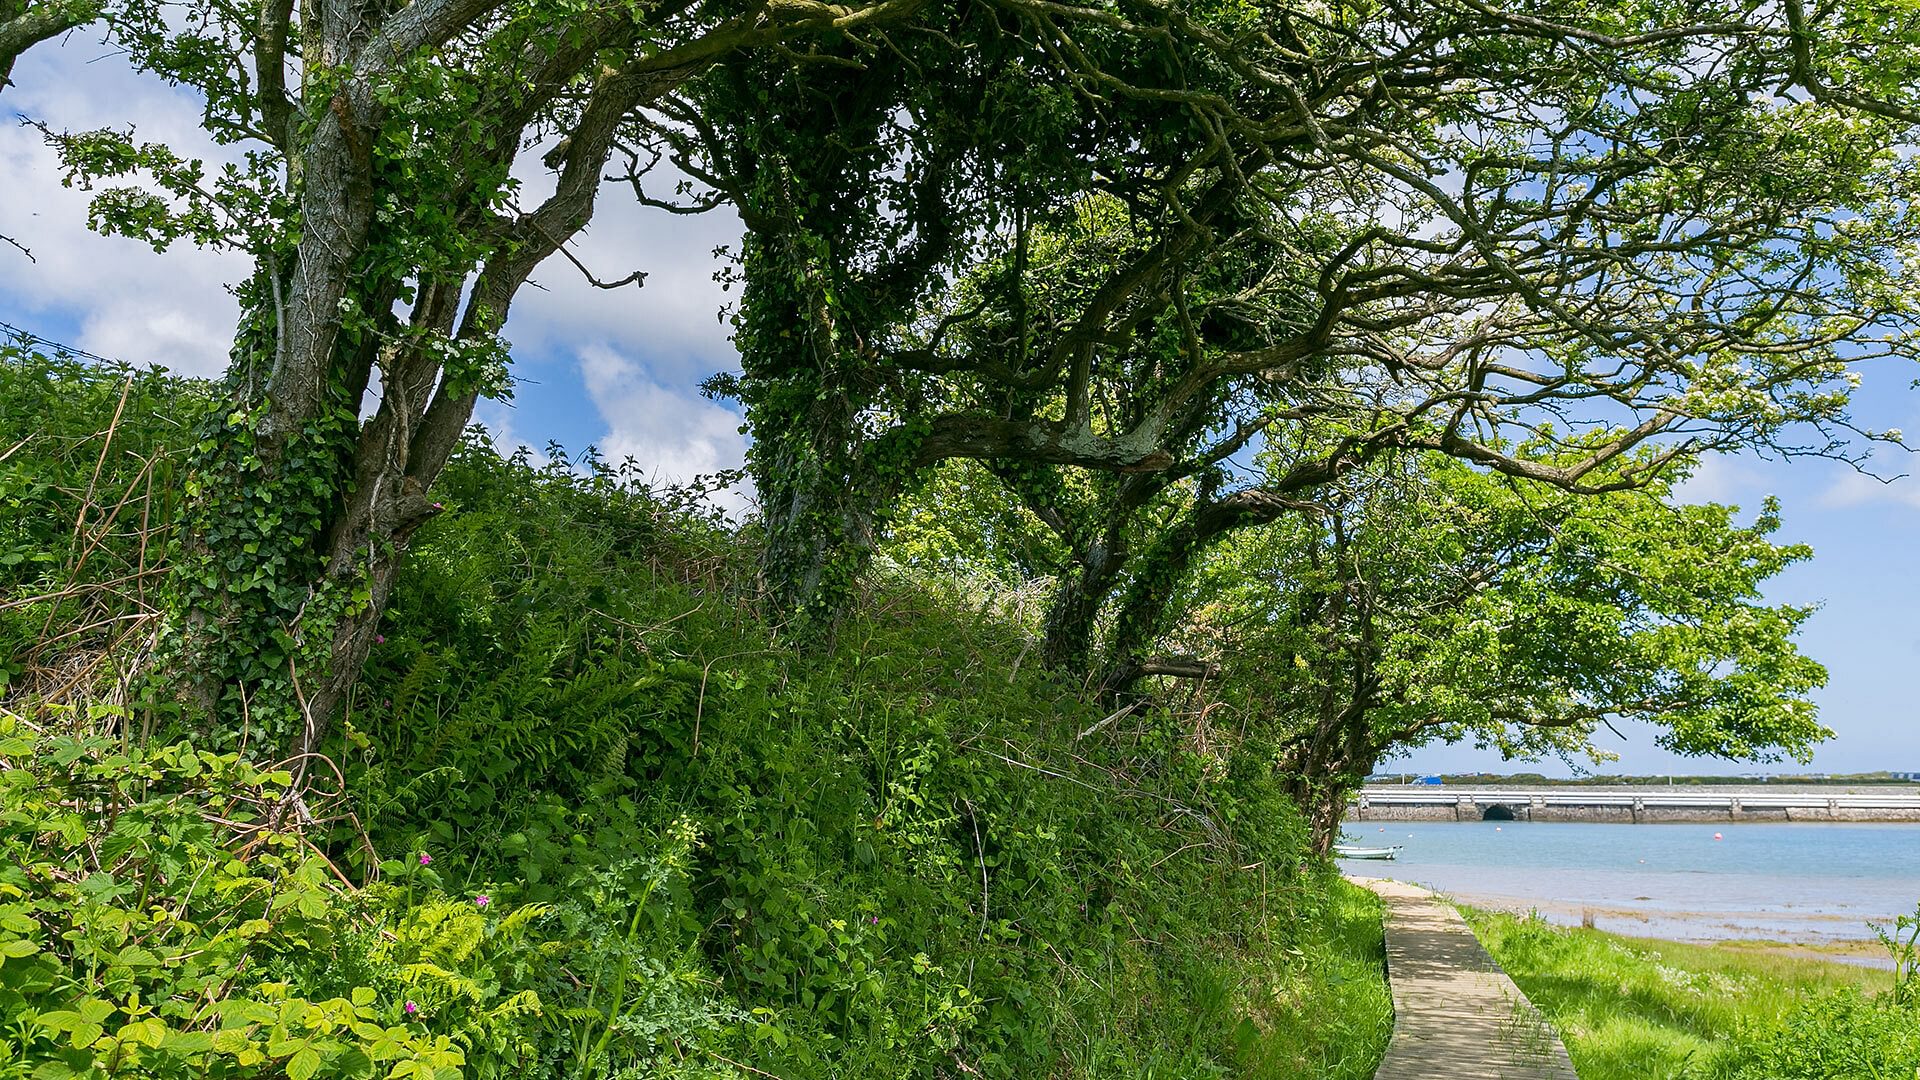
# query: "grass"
(1634, 1009)
(1329, 1015)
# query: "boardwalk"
(1456, 1014)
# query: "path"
(1456, 1014)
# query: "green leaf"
(149, 1032)
(303, 1064)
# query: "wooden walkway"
(1456, 1014)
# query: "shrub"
(153, 923)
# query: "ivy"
(253, 612)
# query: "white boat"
(1362, 851)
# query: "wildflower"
(873, 920)
(411, 1008)
(439, 506)
(379, 639)
(482, 900)
(425, 859)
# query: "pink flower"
(439, 506)
(425, 858)
(379, 639)
(481, 900)
(411, 1008)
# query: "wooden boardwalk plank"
(1456, 1014)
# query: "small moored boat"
(1362, 851)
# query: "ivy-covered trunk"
(1327, 762)
(818, 506)
(1322, 801)
(822, 503)
(1324, 769)
(299, 513)
(1146, 605)
(1067, 644)
(1074, 609)
(297, 519)
(825, 486)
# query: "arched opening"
(1496, 812)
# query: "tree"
(390, 239)
(1466, 227)
(863, 178)
(1428, 600)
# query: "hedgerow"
(589, 814)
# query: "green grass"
(1633, 1009)
(1329, 1015)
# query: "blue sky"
(621, 370)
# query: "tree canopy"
(1424, 600)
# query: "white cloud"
(130, 302)
(673, 434)
(673, 321)
(1721, 479)
(1854, 488)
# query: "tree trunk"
(298, 514)
(1075, 607)
(821, 519)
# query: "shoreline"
(1840, 939)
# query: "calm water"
(1795, 882)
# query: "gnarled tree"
(1472, 227)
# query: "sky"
(621, 370)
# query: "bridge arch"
(1497, 812)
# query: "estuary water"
(1789, 882)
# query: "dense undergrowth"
(1643, 1011)
(588, 815)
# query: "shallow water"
(1796, 882)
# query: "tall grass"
(1330, 1015)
